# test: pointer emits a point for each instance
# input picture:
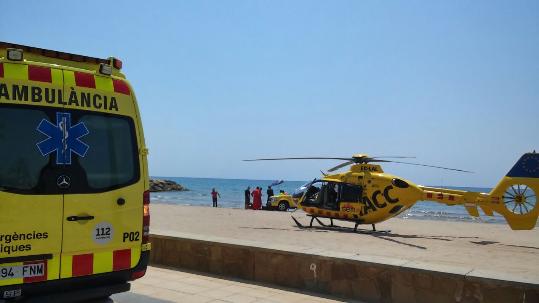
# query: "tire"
(283, 206)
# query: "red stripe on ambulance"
(121, 87)
(82, 265)
(38, 73)
(121, 259)
(84, 80)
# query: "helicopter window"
(350, 193)
(313, 197)
(298, 192)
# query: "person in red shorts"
(214, 195)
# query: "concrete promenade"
(420, 261)
(161, 285)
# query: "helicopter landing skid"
(370, 231)
(321, 223)
(311, 223)
(363, 231)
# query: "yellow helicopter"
(365, 194)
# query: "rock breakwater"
(165, 185)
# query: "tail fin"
(515, 196)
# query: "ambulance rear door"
(31, 202)
(103, 205)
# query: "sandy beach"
(492, 248)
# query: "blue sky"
(454, 83)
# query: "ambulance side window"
(21, 162)
(112, 160)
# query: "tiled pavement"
(165, 285)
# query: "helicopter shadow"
(382, 235)
(274, 228)
(521, 246)
(507, 245)
(262, 228)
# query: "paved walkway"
(165, 285)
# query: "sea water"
(232, 196)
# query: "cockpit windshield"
(298, 192)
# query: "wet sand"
(491, 248)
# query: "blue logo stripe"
(526, 167)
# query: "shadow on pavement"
(128, 297)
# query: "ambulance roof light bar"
(117, 63)
(14, 54)
(105, 69)
(53, 53)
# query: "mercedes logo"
(63, 182)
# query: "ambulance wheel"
(283, 206)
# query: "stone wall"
(362, 278)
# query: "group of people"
(256, 194)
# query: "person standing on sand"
(261, 196)
(248, 197)
(257, 198)
(270, 193)
(214, 195)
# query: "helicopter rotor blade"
(393, 157)
(300, 158)
(425, 165)
(358, 160)
(355, 160)
(340, 166)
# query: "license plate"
(22, 271)
(12, 293)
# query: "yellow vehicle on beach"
(74, 199)
(283, 202)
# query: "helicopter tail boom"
(514, 197)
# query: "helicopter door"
(323, 195)
(331, 194)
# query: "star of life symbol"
(62, 138)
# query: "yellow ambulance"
(74, 199)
